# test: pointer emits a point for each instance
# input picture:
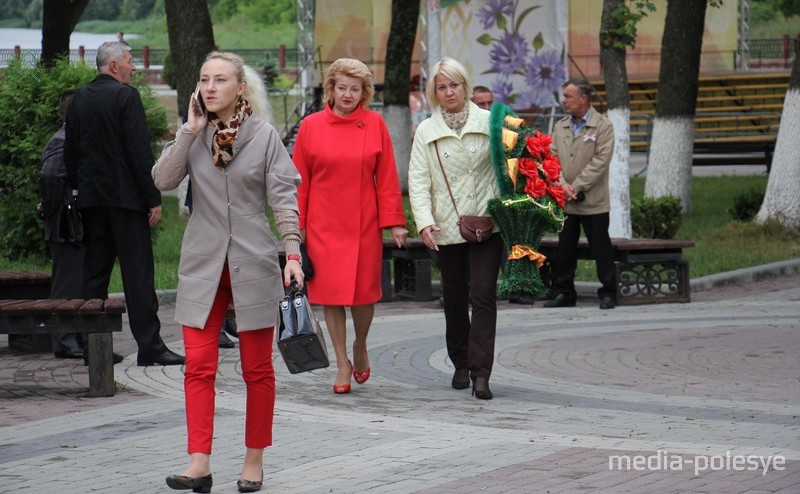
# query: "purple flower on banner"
(502, 89)
(546, 71)
(509, 54)
(492, 9)
(537, 98)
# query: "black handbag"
(300, 338)
(70, 225)
(308, 267)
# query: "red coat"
(350, 191)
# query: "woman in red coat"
(349, 193)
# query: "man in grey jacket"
(584, 143)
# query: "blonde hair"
(451, 69)
(255, 91)
(349, 67)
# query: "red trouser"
(202, 354)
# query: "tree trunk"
(190, 40)
(781, 200)
(615, 73)
(670, 169)
(399, 49)
(59, 18)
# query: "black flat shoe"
(460, 379)
(561, 300)
(607, 303)
(480, 388)
(69, 353)
(196, 484)
(167, 357)
(250, 485)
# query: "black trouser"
(596, 228)
(114, 232)
(67, 275)
(469, 275)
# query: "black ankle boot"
(480, 388)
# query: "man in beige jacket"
(584, 143)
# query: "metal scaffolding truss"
(307, 74)
(744, 35)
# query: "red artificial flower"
(551, 168)
(557, 193)
(528, 167)
(536, 187)
(535, 146)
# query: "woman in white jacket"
(458, 132)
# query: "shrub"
(656, 217)
(270, 72)
(29, 95)
(746, 205)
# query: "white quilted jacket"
(468, 164)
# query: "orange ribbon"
(519, 251)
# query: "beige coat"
(585, 161)
(228, 221)
(468, 164)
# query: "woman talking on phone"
(238, 165)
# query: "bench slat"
(114, 306)
(68, 306)
(14, 307)
(92, 306)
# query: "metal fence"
(147, 57)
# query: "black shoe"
(69, 353)
(224, 341)
(250, 485)
(607, 302)
(117, 358)
(480, 388)
(229, 326)
(167, 357)
(198, 484)
(460, 379)
(561, 300)
(523, 299)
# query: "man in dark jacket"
(108, 158)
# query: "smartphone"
(198, 98)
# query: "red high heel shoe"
(361, 376)
(341, 389)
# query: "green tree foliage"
(104, 10)
(263, 12)
(29, 97)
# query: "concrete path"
(699, 397)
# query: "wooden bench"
(26, 285)
(412, 270)
(96, 318)
(649, 271)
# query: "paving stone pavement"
(701, 397)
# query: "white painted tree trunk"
(618, 178)
(669, 171)
(398, 119)
(182, 190)
(782, 198)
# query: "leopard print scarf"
(456, 121)
(225, 133)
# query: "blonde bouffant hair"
(349, 67)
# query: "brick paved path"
(689, 389)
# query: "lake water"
(32, 39)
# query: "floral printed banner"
(515, 47)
